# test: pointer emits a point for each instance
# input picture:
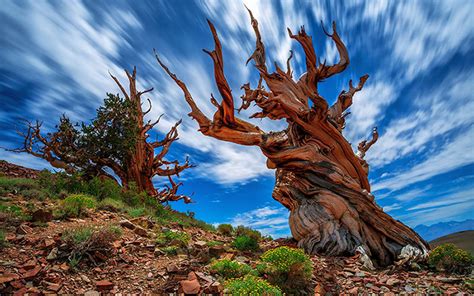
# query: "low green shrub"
(225, 229)
(56, 183)
(450, 258)
(173, 238)
(33, 194)
(12, 214)
(112, 205)
(84, 242)
(133, 197)
(13, 209)
(75, 205)
(14, 185)
(102, 189)
(170, 250)
(114, 230)
(288, 268)
(229, 269)
(136, 212)
(245, 243)
(252, 286)
(78, 235)
(246, 231)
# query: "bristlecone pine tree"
(319, 178)
(117, 139)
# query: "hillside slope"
(461, 239)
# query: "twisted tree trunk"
(319, 178)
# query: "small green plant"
(136, 212)
(225, 229)
(74, 262)
(290, 269)
(246, 231)
(75, 205)
(33, 194)
(252, 286)
(12, 214)
(3, 241)
(245, 243)
(12, 209)
(173, 238)
(450, 258)
(85, 242)
(77, 235)
(114, 230)
(112, 205)
(102, 189)
(229, 269)
(170, 250)
(214, 243)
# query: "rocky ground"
(136, 266)
(30, 262)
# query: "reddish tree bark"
(319, 178)
(143, 164)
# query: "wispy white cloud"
(368, 109)
(454, 206)
(438, 111)
(410, 195)
(48, 54)
(459, 197)
(422, 39)
(269, 220)
(392, 207)
(452, 155)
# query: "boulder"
(42, 215)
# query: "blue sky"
(54, 58)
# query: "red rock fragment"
(21, 292)
(104, 285)
(49, 243)
(8, 277)
(191, 285)
(32, 273)
(54, 287)
(29, 265)
(17, 284)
